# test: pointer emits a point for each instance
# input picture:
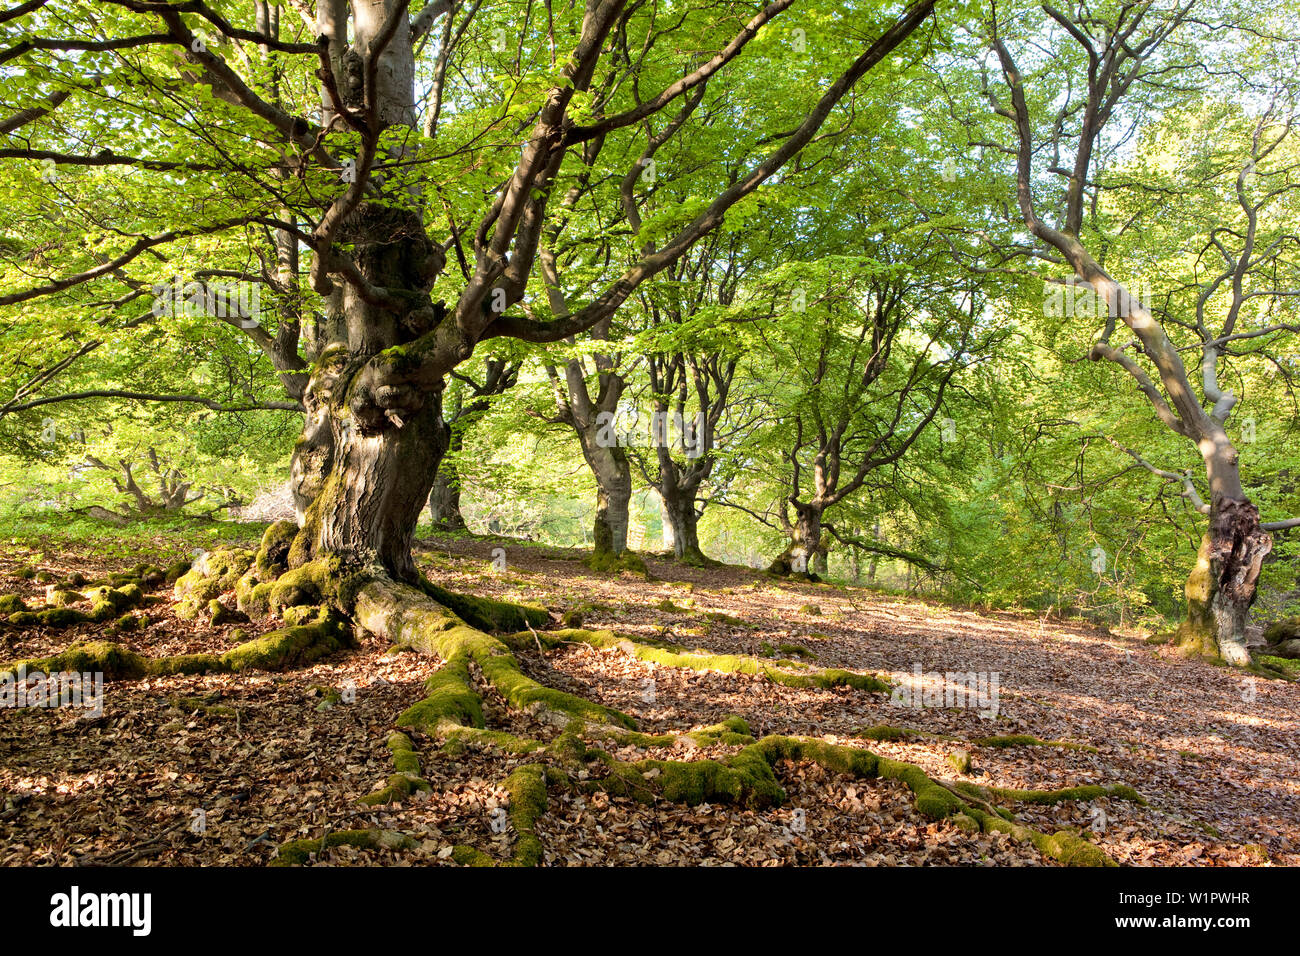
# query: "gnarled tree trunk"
(679, 510)
(805, 542)
(1222, 586)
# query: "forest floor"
(221, 769)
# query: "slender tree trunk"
(613, 493)
(444, 497)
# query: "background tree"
(1111, 68)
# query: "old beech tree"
(343, 178)
(1115, 64)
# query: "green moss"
(219, 614)
(960, 761)
(297, 644)
(488, 614)
(252, 595)
(469, 856)
(219, 571)
(273, 552)
(932, 800)
(302, 643)
(151, 575)
(68, 616)
(1284, 665)
(298, 852)
(132, 622)
(191, 705)
(405, 757)
(450, 700)
(12, 604)
(114, 661)
(407, 780)
(62, 598)
(297, 588)
(1048, 797)
(527, 788)
(1063, 846)
(796, 650)
(611, 563)
(717, 617)
(672, 656)
(746, 779)
(175, 571)
(813, 610)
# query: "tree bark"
(805, 542)
(444, 497)
(371, 444)
(1222, 587)
(679, 509)
(613, 493)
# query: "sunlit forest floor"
(273, 757)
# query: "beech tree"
(870, 379)
(1062, 113)
(343, 133)
(691, 365)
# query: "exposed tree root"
(406, 780)
(311, 634)
(573, 760)
(672, 655)
(1117, 791)
(405, 615)
(527, 788)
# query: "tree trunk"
(1222, 587)
(377, 484)
(613, 498)
(679, 509)
(805, 542)
(444, 497)
(371, 444)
